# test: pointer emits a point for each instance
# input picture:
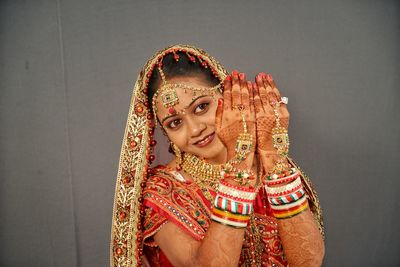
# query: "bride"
(232, 196)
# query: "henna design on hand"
(302, 241)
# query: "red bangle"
(236, 187)
(292, 212)
(286, 192)
(283, 180)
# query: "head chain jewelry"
(170, 98)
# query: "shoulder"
(162, 181)
(165, 172)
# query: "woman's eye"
(201, 107)
(175, 123)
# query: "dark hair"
(183, 67)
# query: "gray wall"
(66, 72)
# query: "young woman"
(231, 196)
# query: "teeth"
(204, 140)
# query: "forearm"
(302, 241)
(221, 246)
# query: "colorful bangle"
(229, 219)
(290, 205)
(286, 199)
(276, 176)
(232, 206)
(284, 180)
(285, 189)
(228, 222)
(236, 192)
(291, 213)
(228, 196)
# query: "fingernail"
(259, 77)
(235, 73)
(228, 78)
(220, 102)
(242, 76)
(269, 78)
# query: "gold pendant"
(244, 144)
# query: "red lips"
(205, 141)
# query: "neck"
(221, 158)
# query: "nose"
(195, 127)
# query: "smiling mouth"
(205, 141)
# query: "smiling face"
(192, 126)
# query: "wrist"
(233, 205)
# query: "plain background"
(66, 73)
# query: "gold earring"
(178, 156)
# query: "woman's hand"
(228, 119)
(265, 93)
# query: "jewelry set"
(283, 185)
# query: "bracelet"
(283, 189)
(233, 198)
(291, 213)
(232, 206)
(284, 193)
(228, 223)
(284, 180)
(276, 176)
(229, 219)
(239, 193)
(287, 198)
(290, 205)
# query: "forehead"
(185, 96)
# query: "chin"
(213, 153)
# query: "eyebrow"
(194, 100)
(191, 103)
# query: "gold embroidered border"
(126, 239)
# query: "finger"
(257, 100)
(251, 112)
(244, 91)
(219, 112)
(271, 82)
(236, 99)
(285, 122)
(262, 89)
(251, 96)
(283, 108)
(228, 92)
(272, 98)
(284, 111)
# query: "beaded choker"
(205, 175)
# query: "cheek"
(210, 116)
(178, 137)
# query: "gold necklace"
(205, 175)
